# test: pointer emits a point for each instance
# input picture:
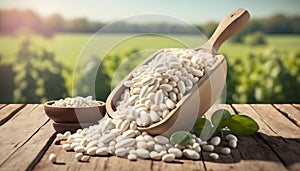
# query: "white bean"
(52, 157)
(202, 143)
(132, 99)
(67, 134)
(140, 138)
(147, 80)
(106, 138)
(106, 125)
(125, 125)
(181, 87)
(155, 155)
(191, 154)
(78, 156)
(143, 92)
(121, 152)
(231, 137)
(125, 143)
(159, 97)
(208, 148)
(150, 145)
(145, 118)
(91, 144)
(173, 96)
(161, 139)
(60, 136)
(129, 133)
(166, 87)
(79, 149)
(148, 138)
(176, 151)
(159, 148)
(84, 142)
(85, 158)
(214, 156)
(154, 116)
(168, 157)
(132, 157)
(91, 151)
(170, 104)
(232, 143)
(74, 144)
(66, 147)
(143, 153)
(102, 151)
(142, 144)
(215, 141)
(225, 150)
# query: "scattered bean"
(232, 143)
(215, 141)
(52, 157)
(214, 156)
(168, 157)
(191, 154)
(208, 148)
(225, 150)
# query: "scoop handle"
(230, 25)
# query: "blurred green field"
(68, 48)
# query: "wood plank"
(115, 163)
(252, 153)
(297, 106)
(280, 133)
(30, 153)
(67, 161)
(20, 129)
(179, 165)
(2, 105)
(8, 111)
(289, 111)
(279, 123)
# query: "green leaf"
(203, 129)
(218, 116)
(241, 125)
(181, 138)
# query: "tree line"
(14, 21)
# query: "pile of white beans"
(76, 102)
(157, 86)
(153, 91)
(131, 143)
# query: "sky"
(193, 11)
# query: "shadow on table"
(262, 147)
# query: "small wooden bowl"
(75, 114)
(72, 127)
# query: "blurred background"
(40, 42)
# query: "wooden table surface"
(27, 138)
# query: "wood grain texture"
(278, 131)
(230, 25)
(29, 153)
(277, 121)
(297, 106)
(2, 105)
(8, 111)
(290, 112)
(20, 129)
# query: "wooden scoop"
(204, 93)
